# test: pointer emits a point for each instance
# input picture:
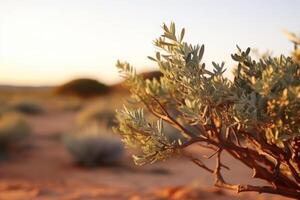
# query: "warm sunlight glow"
(48, 42)
(205, 94)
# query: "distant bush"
(121, 87)
(152, 75)
(28, 107)
(96, 114)
(82, 88)
(13, 128)
(69, 103)
(3, 109)
(89, 147)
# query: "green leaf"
(182, 34)
(201, 52)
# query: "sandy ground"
(44, 170)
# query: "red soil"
(44, 170)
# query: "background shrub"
(69, 103)
(3, 108)
(121, 87)
(13, 128)
(96, 114)
(28, 107)
(152, 75)
(91, 147)
(83, 87)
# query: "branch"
(254, 160)
(199, 163)
(220, 182)
(167, 117)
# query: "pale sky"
(46, 42)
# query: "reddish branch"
(266, 160)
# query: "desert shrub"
(255, 117)
(96, 114)
(4, 108)
(28, 107)
(82, 88)
(91, 147)
(151, 75)
(121, 87)
(13, 129)
(69, 103)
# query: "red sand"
(44, 170)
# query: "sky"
(48, 42)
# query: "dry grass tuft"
(13, 128)
(91, 147)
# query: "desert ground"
(42, 168)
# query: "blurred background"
(50, 41)
(59, 89)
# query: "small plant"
(82, 88)
(90, 147)
(4, 108)
(13, 128)
(70, 104)
(121, 87)
(28, 107)
(151, 75)
(96, 114)
(255, 117)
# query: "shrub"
(96, 114)
(255, 117)
(90, 147)
(121, 87)
(82, 88)
(69, 104)
(151, 75)
(13, 128)
(28, 107)
(3, 108)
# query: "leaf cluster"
(255, 117)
